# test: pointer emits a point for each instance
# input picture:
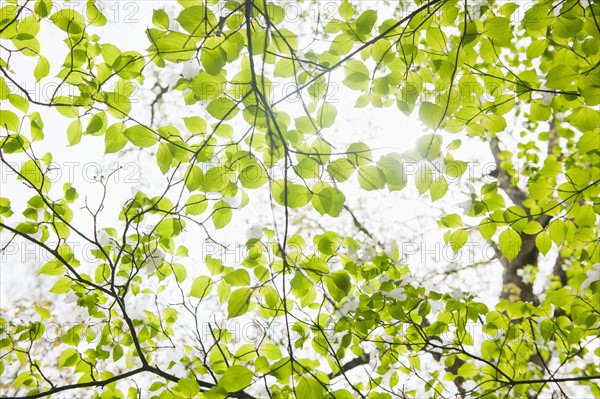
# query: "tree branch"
(89, 384)
(516, 195)
(356, 362)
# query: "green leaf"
(532, 227)
(195, 124)
(575, 335)
(346, 10)
(587, 119)
(487, 228)
(114, 139)
(342, 44)
(308, 168)
(195, 19)
(129, 65)
(51, 268)
(213, 60)
(371, 178)
(561, 298)
(193, 177)
(208, 87)
(95, 123)
(222, 214)
(297, 196)
(239, 302)
(68, 358)
(536, 48)
(436, 39)
(585, 216)
(74, 132)
(557, 231)
(429, 146)
(468, 371)
(160, 18)
(566, 28)
(4, 90)
(341, 169)
(188, 387)
(239, 277)
(438, 188)
(326, 115)
(214, 266)
(357, 74)
(260, 42)
(494, 123)
(9, 120)
(510, 243)
(27, 227)
(430, 114)
(415, 361)
(94, 15)
(180, 272)
(222, 108)
(285, 41)
(536, 18)
(253, 176)
(42, 68)
(543, 242)
(451, 221)
(68, 20)
(458, 239)
(342, 280)
(30, 171)
(215, 179)
(359, 154)
(327, 200)
(42, 8)
(309, 387)
(284, 68)
(366, 21)
(62, 286)
(236, 378)
(393, 168)
(223, 291)
(164, 158)
(140, 136)
(455, 169)
(270, 351)
(201, 287)
(561, 77)
(172, 46)
(589, 142)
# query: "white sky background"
(393, 217)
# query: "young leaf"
(366, 21)
(222, 214)
(42, 69)
(164, 158)
(160, 18)
(201, 287)
(371, 178)
(236, 378)
(510, 243)
(141, 136)
(239, 277)
(239, 302)
(74, 132)
(543, 242)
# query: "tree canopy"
(258, 91)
